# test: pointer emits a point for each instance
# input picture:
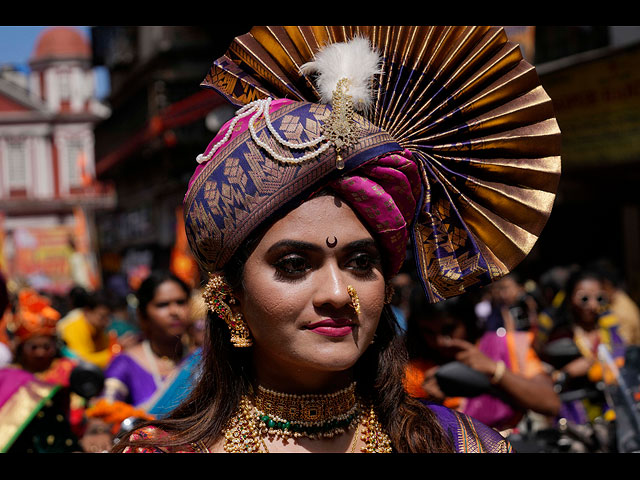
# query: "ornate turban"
(34, 316)
(454, 149)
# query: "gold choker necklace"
(276, 415)
(286, 415)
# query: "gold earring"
(215, 296)
(240, 334)
(355, 301)
(389, 291)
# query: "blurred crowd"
(558, 354)
(522, 355)
(74, 369)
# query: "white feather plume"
(355, 60)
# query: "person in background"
(150, 378)
(621, 304)
(585, 318)
(34, 339)
(401, 285)
(141, 373)
(84, 329)
(552, 285)
(448, 331)
(512, 308)
(36, 411)
(122, 325)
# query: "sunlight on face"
(588, 300)
(295, 297)
(169, 310)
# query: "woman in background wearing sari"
(447, 332)
(36, 411)
(141, 374)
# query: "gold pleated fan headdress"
(461, 102)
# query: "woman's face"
(588, 299)
(506, 291)
(437, 329)
(294, 296)
(37, 353)
(99, 317)
(167, 313)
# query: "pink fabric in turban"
(384, 193)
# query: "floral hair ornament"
(218, 295)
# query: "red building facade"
(48, 191)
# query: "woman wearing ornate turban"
(351, 143)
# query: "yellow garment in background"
(628, 313)
(80, 337)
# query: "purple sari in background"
(128, 381)
(140, 384)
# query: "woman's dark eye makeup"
(295, 264)
(292, 264)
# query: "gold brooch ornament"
(218, 296)
(344, 74)
(341, 128)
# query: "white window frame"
(64, 84)
(12, 145)
(74, 147)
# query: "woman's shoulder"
(149, 439)
(468, 434)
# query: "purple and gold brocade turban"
(458, 156)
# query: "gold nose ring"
(355, 301)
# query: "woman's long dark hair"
(226, 374)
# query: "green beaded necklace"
(315, 416)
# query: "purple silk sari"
(11, 379)
(139, 382)
(468, 434)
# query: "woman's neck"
(301, 382)
(169, 347)
(588, 325)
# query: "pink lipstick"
(332, 327)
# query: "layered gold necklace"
(275, 415)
